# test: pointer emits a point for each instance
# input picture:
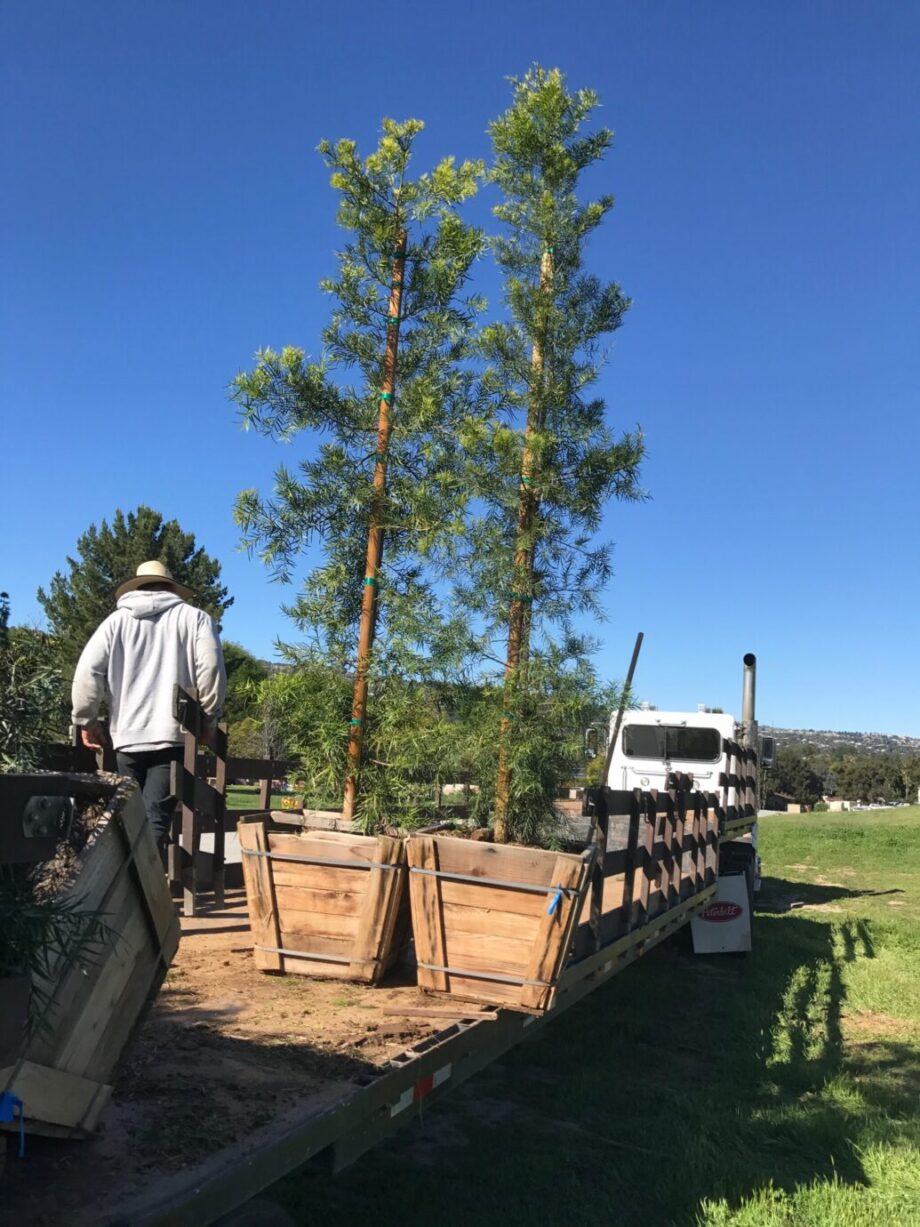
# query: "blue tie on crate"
(10, 1105)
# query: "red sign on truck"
(722, 911)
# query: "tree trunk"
(519, 617)
(369, 598)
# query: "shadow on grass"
(681, 1081)
(778, 895)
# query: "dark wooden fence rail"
(655, 850)
(202, 804)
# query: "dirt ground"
(224, 1051)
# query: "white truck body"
(655, 744)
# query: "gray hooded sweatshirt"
(150, 642)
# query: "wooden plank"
(127, 1014)
(601, 832)
(423, 852)
(382, 892)
(193, 791)
(318, 877)
(260, 894)
(485, 951)
(184, 789)
(149, 870)
(72, 990)
(220, 808)
(551, 944)
(504, 861)
(336, 902)
(56, 1097)
(677, 846)
(360, 850)
(490, 899)
(460, 918)
(307, 941)
(80, 1040)
(629, 870)
(645, 864)
(265, 793)
(324, 924)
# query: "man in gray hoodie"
(134, 658)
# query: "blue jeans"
(150, 768)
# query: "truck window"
(672, 741)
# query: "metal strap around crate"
(322, 958)
(568, 891)
(319, 860)
(486, 975)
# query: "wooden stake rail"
(202, 805)
(667, 854)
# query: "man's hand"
(95, 736)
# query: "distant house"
(837, 805)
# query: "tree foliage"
(546, 463)
(329, 501)
(78, 599)
(34, 703)
(245, 675)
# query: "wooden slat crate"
(63, 1072)
(323, 903)
(494, 923)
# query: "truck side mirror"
(767, 751)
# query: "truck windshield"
(672, 741)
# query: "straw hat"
(153, 573)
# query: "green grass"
(242, 796)
(778, 1090)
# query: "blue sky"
(163, 213)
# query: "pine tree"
(78, 600)
(380, 490)
(546, 464)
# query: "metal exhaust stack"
(748, 718)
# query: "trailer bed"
(237, 1077)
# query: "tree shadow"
(778, 895)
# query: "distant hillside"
(864, 743)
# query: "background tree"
(332, 499)
(794, 777)
(80, 598)
(870, 777)
(34, 700)
(546, 464)
(245, 675)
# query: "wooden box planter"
(494, 923)
(323, 903)
(62, 1073)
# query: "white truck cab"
(655, 745)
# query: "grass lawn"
(243, 796)
(776, 1090)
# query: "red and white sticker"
(423, 1087)
(721, 911)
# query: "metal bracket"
(47, 817)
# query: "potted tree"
(378, 497)
(495, 921)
